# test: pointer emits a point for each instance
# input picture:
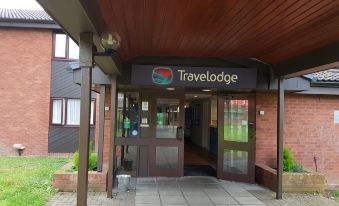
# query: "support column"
(101, 126)
(280, 136)
(111, 157)
(86, 64)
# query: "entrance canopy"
(294, 37)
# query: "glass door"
(166, 149)
(236, 138)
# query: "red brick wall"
(25, 73)
(107, 127)
(309, 131)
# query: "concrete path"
(193, 191)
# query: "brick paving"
(192, 191)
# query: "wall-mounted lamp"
(110, 41)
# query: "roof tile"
(331, 75)
(22, 15)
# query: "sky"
(20, 4)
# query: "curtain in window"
(73, 112)
(56, 115)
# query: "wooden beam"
(110, 175)
(101, 126)
(86, 64)
(107, 64)
(280, 136)
(319, 59)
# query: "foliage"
(298, 168)
(288, 160)
(27, 180)
(289, 163)
(336, 193)
(92, 159)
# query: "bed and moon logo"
(162, 75)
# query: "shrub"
(289, 163)
(298, 168)
(288, 160)
(336, 193)
(92, 159)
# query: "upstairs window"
(65, 47)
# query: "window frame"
(66, 112)
(51, 111)
(66, 58)
(64, 109)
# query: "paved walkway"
(193, 191)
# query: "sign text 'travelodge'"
(221, 77)
(194, 77)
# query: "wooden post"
(111, 158)
(101, 126)
(280, 136)
(86, 64)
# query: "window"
(56, 111)
(70, 107)
(60, 45)
(65, 47)
(128, 115)
(73, 112)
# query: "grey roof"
(22, 15)
(327, 76)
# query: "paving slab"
(190, 191)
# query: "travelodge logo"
(162, 75)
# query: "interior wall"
(196, 127)
(214, 111)
(200, 124)
(205, 124)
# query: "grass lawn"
(27, 180)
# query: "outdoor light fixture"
(110, 41)
(19, 147)
(195, 96)
(206, 90)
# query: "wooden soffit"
(268, 30)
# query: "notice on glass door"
(144, 106)
(336, 117)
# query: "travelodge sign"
(203, 77)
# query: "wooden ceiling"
(269, 30)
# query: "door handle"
(180, 133)
(251, 130)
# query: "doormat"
(199, 170)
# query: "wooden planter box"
(292, 182)
(67, 181)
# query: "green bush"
(289, 163)
(336, 193)
(92, 159)
(298, 168)
(288, 160)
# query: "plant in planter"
(92, 159)
(290, 165)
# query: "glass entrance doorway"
(157, 135)
(236, 138)
(166, 148)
